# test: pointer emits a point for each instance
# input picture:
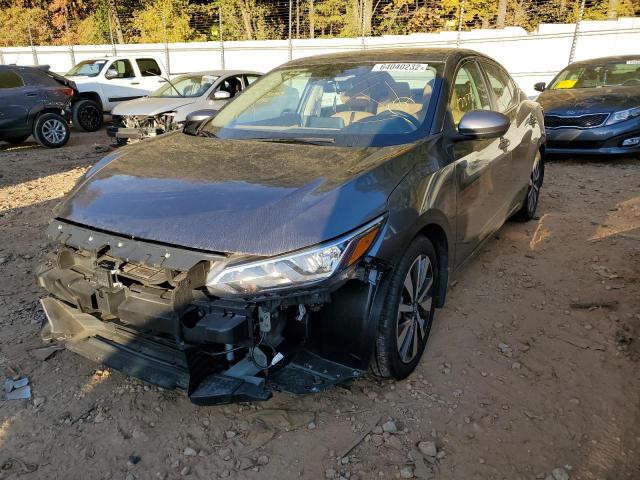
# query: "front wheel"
(528, 210)
(51, 130)
(87, 115)
(408, 312)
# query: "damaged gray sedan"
(167, 108)
(304, 235)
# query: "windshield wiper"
(206, 133)
(166, 80)
(306, 140)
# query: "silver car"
(167, 108)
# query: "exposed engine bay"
(131, 128)
(144, 309)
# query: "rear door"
(518, 138)
(480, 165)
(149, 74)
(16, 101)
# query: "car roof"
(611, 59)
(221, 73)
(409, 55)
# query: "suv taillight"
(67, 91)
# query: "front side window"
(185, 86)
(251, 78)
(624, 73)
(469, 92)
(87, 68)
(231, 85)
(502, 86)
(148, 67)
(123, 69)
(351, 104)
(10, 79)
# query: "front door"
(481, 166)
(125, 85)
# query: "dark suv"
(34, 101)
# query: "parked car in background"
(593, 107)
(167, 108)
(304, 234)
(104, 82)
(34, 101)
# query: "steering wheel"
(631, 81)
(407, 117)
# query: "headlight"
(297, 269)
(621, 116)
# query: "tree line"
(60, 22)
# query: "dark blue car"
(593, 107)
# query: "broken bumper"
(133, 133)
(154, 323)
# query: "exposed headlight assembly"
(622, 115)
(297, 269)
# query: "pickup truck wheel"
(51, 130)
(17, 140)
(87, 115)
(407, 314)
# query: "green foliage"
(96, 21)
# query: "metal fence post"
(461, 13)
(362, 23)
(290, 41)
(113, 44)
(71, 52)
(166, 43)
(33, 48)
(576, 31)
(221, 37)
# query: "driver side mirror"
(482, 124)
(197, 118)
(540, 86)
(221, 95)
(111, 74)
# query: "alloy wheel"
(90, 117)
(54, 131)
(536, 183)
(414, 311)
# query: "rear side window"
(37, 77)
(251, 78)
(469, 92)
(148, 67)
(123, 67)
(502, 86)
(10, 79)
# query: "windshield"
(624, 73)
(364, 104)
(186, 86)
(88, 68)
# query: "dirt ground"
(516, 383)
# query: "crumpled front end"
(143, 308)
(131, 128)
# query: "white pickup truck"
(104, 82)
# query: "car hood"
(589, 100)
(151, 105)
(239, 196)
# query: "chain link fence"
(120, 22)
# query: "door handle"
(135, 83)
(504, 143)
(31, 94)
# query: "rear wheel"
(51, 130)
(530, 204)
(17, 140)
(87, 115)
(408, 312)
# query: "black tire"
(530, 204)
(87, 115)
(17, 140)
(51, 130)
(390, 347)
